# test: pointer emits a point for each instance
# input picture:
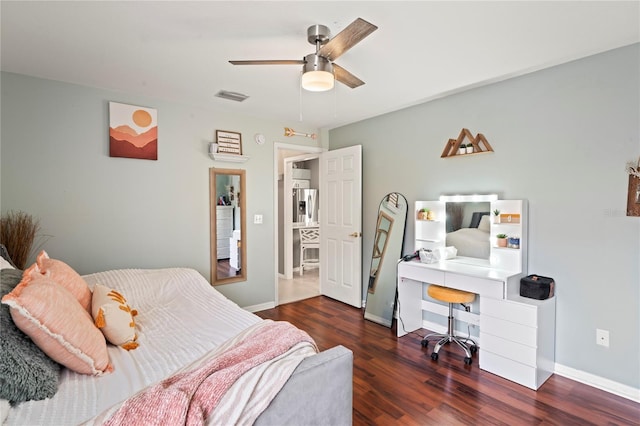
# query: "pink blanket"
(190, 396)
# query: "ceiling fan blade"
(345, 77)
(346, 39)
(269, 62)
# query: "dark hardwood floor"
(225, 270)
(396, 382)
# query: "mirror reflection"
(468, 226)
(387, 249)
(227, 224)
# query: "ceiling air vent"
(232, 96)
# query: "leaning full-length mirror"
(387, 249)
(228, 226)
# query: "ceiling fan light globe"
(317, 74)
(317, 81)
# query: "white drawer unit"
(518, 339)
(224, 230)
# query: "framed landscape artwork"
(133, 131)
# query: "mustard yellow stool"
(451, 296)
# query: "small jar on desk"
(513, 242)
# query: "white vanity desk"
(517, 334)
(483, 281)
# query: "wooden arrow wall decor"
(290, 132)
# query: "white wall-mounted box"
(301, 184)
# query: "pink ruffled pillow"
(62, 274)
(55, 321)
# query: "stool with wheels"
(451, 296)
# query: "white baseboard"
(260, 307)
(598, 382)
(561, 370)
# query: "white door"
(341, 225)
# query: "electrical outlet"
(602, 337)
(257, 219)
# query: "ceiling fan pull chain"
(300, 97)
(335, 102)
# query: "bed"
(472, 241)
(181, 324)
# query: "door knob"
(356, 234)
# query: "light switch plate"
(257, 219)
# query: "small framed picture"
(229, 142)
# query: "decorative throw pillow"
(4, 264)
(55, 321)
(114, 317)
(5, 257)
(64, 275)
(485, 224)
(26, 373)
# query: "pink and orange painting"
(133, 131)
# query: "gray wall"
(104, 213)
(561, 137)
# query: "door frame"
(288, 213)
(277, 146)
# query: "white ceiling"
(422, 50)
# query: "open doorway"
(291, 285)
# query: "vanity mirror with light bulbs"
(468, 223)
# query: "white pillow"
(485, 223)
(114, 317)
(4, 264)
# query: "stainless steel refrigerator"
(305, 205)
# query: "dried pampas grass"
(18, 233)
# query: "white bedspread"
(471, 242)
(180, 318)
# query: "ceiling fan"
(318, 69)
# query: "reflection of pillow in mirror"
(485, 224)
